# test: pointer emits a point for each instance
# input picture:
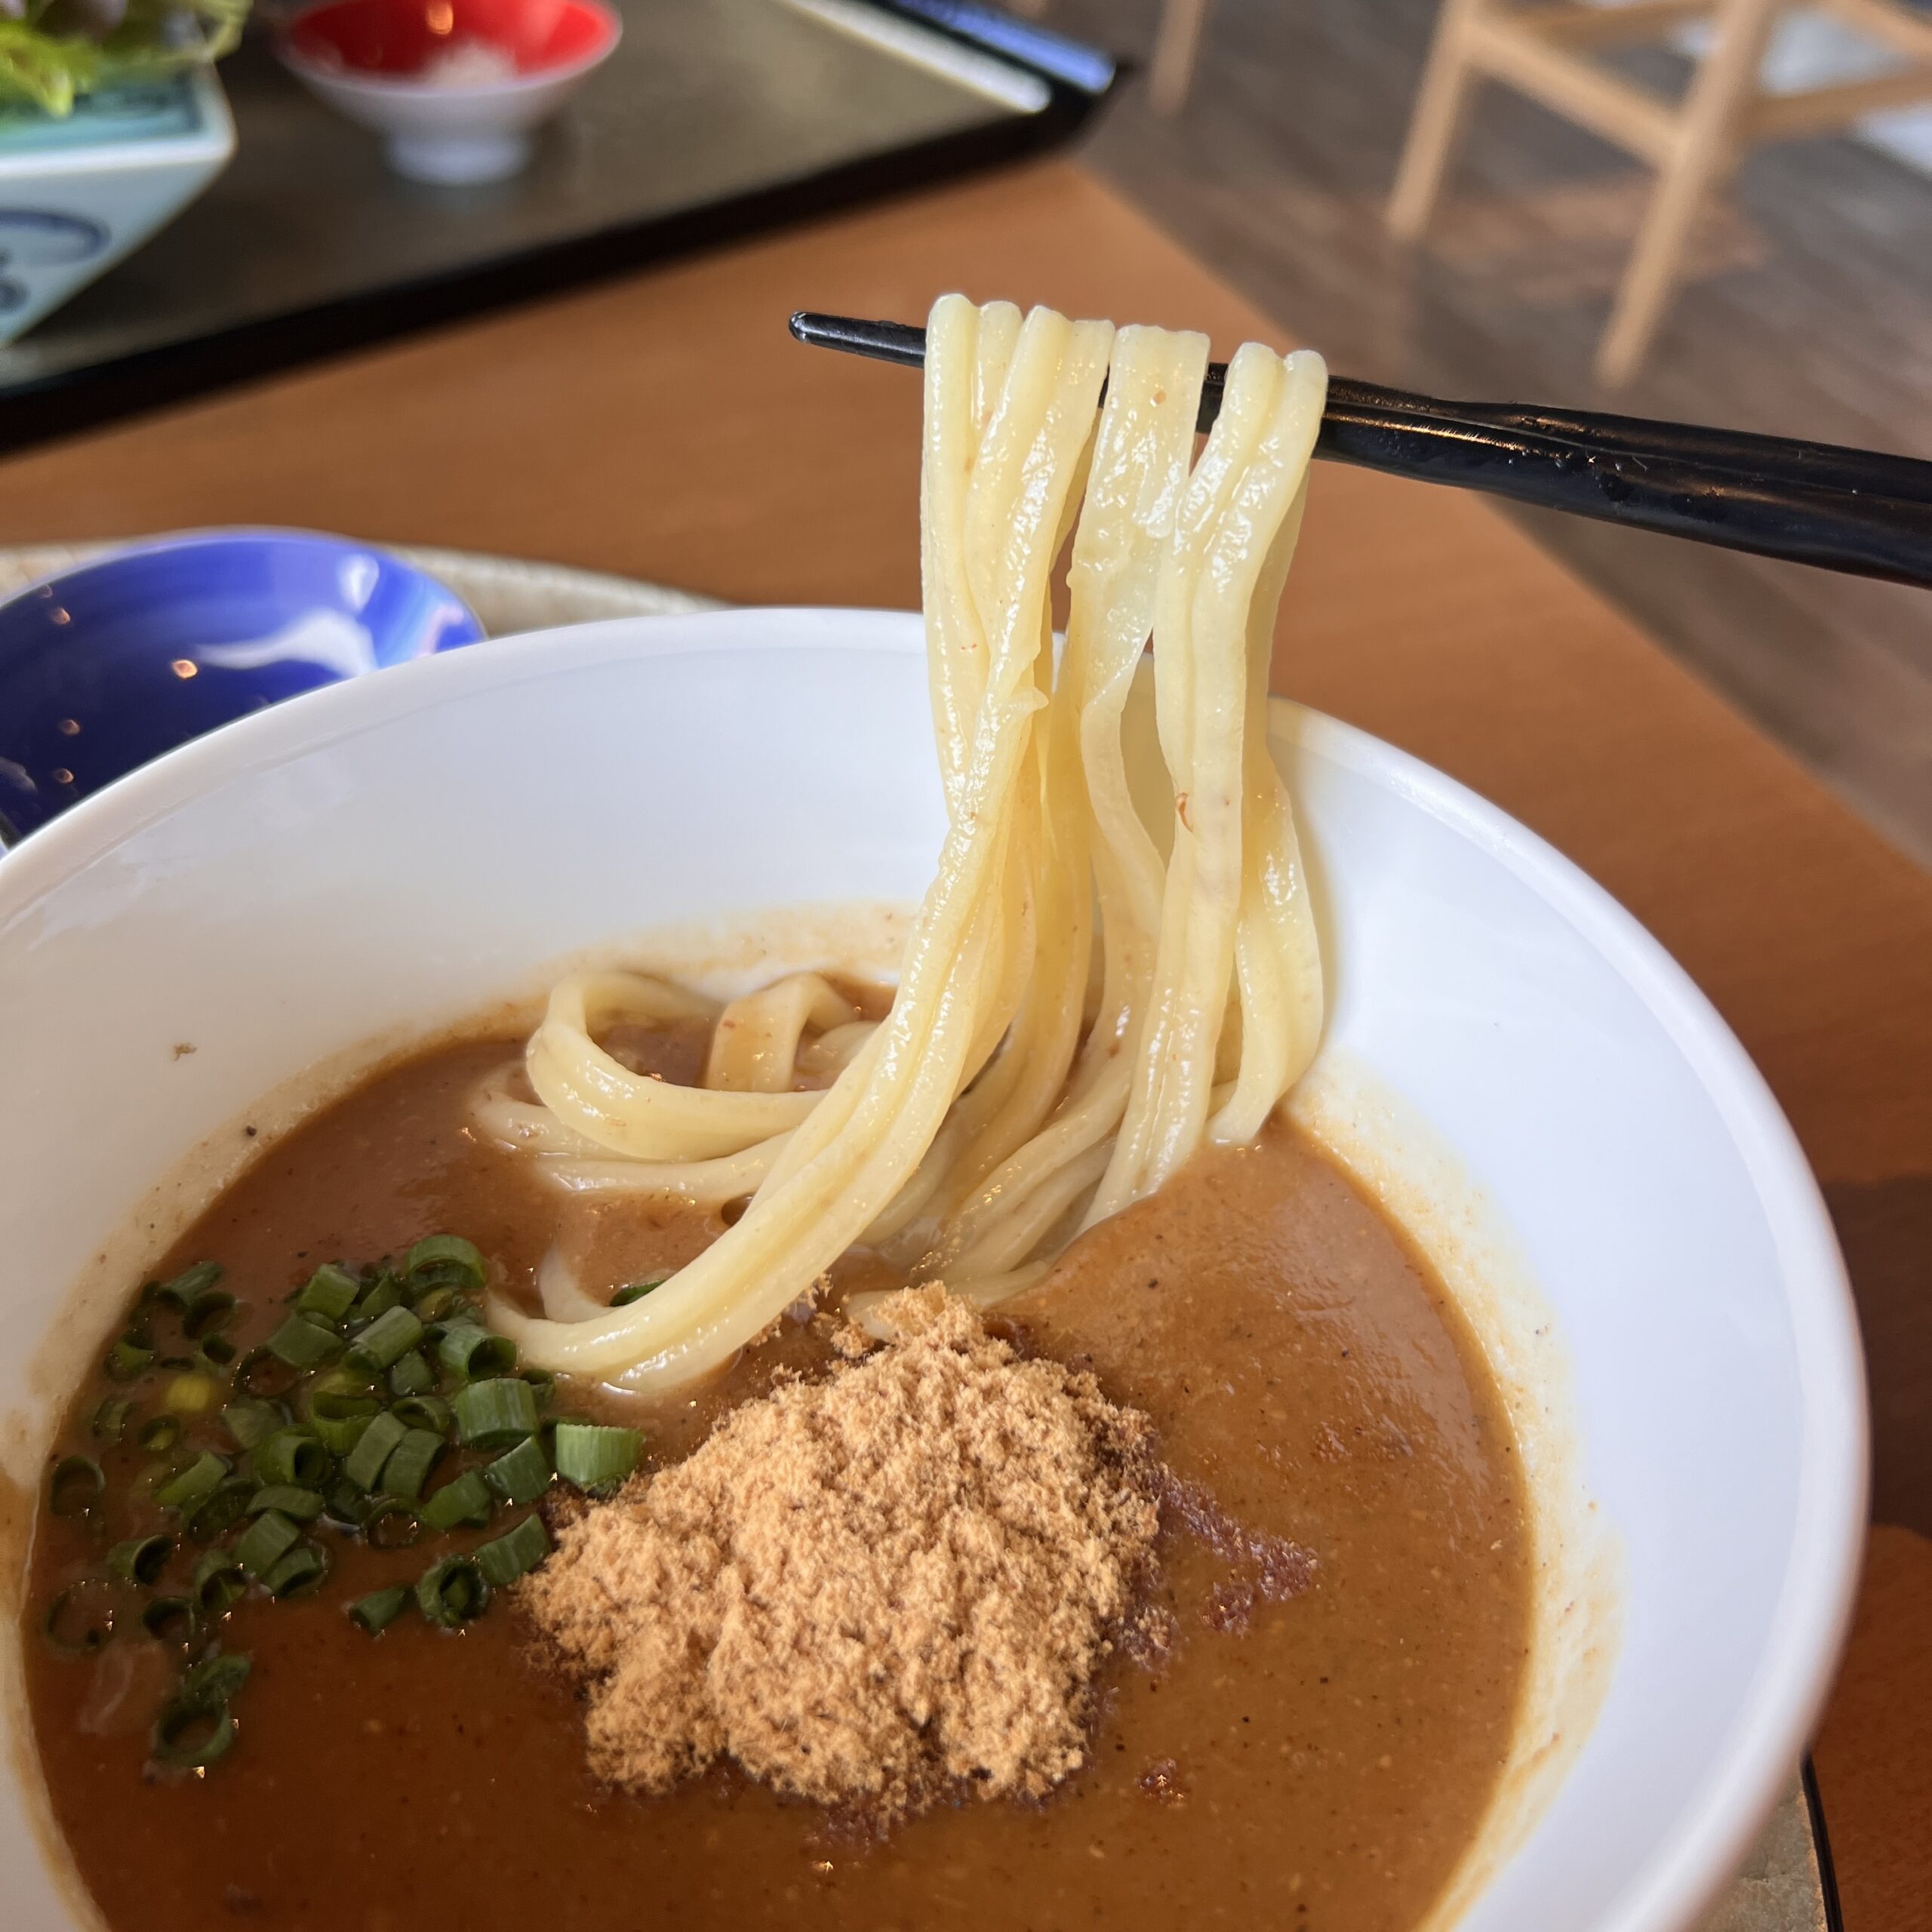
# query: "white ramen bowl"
(1511, 1062)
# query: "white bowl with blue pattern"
(79, 192)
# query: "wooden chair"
(1177, 42)
(1544, 50)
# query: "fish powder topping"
(873, 1589)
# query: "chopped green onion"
(248, 1420)
(388, 1525)
(383, 1294)
(542, 1385)
(141, 1559)
(637, 1290)
(339, 1435)
(192, 1737)
(410, 1462)
(330, 1292)
(216, 1679)
(75, 1486)
(187, 1288)
(209, 1314)
(223, 1510)
(346, 1503)
(494, 1414)
(468, 1350)
(301, 1569)
(364, 1466)
(445, 1261)
(411, 1374)
(293, 1455)
(429, 1412)
(264, 1375)
(110, 1420)
(264, 1542)
(594, 1456)
(218, 1351)
(300, 1505)
(380, 1608)
(452, 1591)
(514, 1553)
(387, 1338)
(128, 1358)
(304, 1343)
(439, 1305)
(191, 1395)
(169, 1620)
(81, 1617)
(159, 1436)
(465, 1502)
(522, 1474)
(218, 1582)
(193, 1483)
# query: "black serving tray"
(715, 119)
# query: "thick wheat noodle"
(1021, 1085)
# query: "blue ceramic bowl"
(113, 663)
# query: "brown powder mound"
(869, 1590)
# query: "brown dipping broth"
(1324, 1766)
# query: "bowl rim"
(114, 551)
(404, 87)
(1686, 1865)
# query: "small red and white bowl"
(457, 87)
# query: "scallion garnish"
(411, 1374)
(468, 1350)
(110, 1420)
(464, 1503)
(429, 1412)
(303, 1342)
(293, 1455)
(452, 1591)
(249, 1420)
(264, 1376)
(187, 1288)
(81, 1617)
(438, 1305)
(218, 1582)
(222, 1510)
(169, 1620)
(301, 1569)
(264, 1542)
(195, 1728)
(346, 1503)
(160, 1435)
(521, 1475)
(193, 1483)
(75, 1485)
(383, 1294)
(363, 1465)
(299, 1505)
(330, 1292)
(218, 1351)
(380, 1608)
(129, 1357)
(637, 1290)
(444, 1261)
(410, 1462)
(210, 1314)
(141, 1559)
(387, 1338)
(593, 1455)
(514, 1553)
(389, 1524)
(495, 1413)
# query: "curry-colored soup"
(1321, 1761)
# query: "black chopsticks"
(1859, 511)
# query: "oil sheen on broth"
(1324, 1766)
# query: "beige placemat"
(1780, 1889)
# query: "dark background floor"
(1807, 312)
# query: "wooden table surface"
(664, 427)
